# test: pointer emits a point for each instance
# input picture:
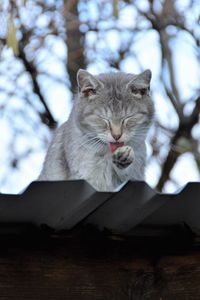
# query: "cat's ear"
(141, 81)
(87, 83)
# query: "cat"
(103, 141)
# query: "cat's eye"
(140, 92)
(104, 119)
(126, 119)
(134, 90)
(89, 92)
(132, 120)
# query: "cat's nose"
(116, 131)
(116, 136)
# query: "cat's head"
(114, 107)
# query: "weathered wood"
(96, 266)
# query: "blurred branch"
(54, 78)
(61, 18)
(178, 108)
(46, 117)
(75, 41)
(11, 39)
(159, 22)
(18, 49)
(184, 130)
(191, 32)
(167, 56)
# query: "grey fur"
(106, 106)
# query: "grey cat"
(103, 140)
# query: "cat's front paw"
(123, 157)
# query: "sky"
(59, 96)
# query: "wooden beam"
(94, 266)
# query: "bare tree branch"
(75, 41)
(177, 107)
(184, 130)
(47, 116)
(159, 22)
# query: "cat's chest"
(96, 170)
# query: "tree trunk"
(75, 41)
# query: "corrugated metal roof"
(64, 204)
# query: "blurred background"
(44, 43)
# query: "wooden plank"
(96, 267)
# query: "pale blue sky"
(59, 96)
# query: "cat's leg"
(124, 165)
(123, 157)
(128, 164)
(53, 172)
(55, 166)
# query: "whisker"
(78, 145)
